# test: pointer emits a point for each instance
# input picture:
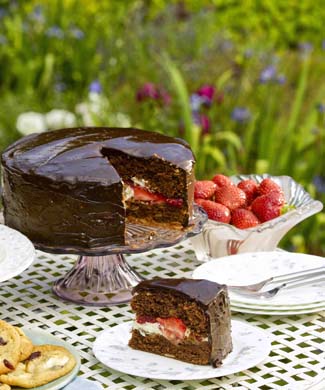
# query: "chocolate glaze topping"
(79, 154)
(201, 290)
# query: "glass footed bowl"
(219, 239)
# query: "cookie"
(4, 387)
(26, 346)
(9, 347)
(45, 364)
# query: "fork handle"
(303, 282)
(298, 275)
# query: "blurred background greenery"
(243, 82)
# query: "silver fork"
(305, 274)
(275, 290)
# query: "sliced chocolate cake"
(75, 188)
(185, 319)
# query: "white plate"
(40, 337)
(318, 305)
(16, 253)
(251, 346)
(248, 268)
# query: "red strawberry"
(243, 219)
(267, 207)
(175, 202)
(216, 211)
(249, 186)
(172, 328)
(141, 193)
(204, 189)
(230, 196)
(222, 180)
(268, 185)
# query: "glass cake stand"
(102, 276)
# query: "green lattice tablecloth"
(298, 354)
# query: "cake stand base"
(98, 281)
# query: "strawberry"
(230, 196)
(174, 202)
(204, 189)
(172, 328)
(222, 180)
(269, 206)
(268, 185)
(250, 187)
(216, 211)
(243, 219)
(141, 193)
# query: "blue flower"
(281, 79)
(3, 40)
(60, 86)
(37, 14)
(77, 33)
(55, 32)
(319, 182)
(268, 74)
(95, 87)
(196, 102)
(240, 114)
(3, 12)
(305, 47)
(321, 108)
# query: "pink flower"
(207, 93)
(150, 91)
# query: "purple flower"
(305, 47)
(268, 74)
(321, 108)
(55, 32)
(150, 91)
(206, 92)
(281, 79)
(95, 87)
(196, 102)
(203, 121)
(77, 33)
(319, 182)
(240, 114)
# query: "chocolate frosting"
(201, 290)
(79, 153)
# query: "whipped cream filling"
(148, 328)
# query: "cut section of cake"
(185, 319)
(77, 188)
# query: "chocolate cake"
(185, 319)
(75, 188)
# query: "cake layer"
(68, 188)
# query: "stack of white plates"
(249, 268)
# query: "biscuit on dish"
(45, 364)
(9, 347)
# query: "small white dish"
(39, 337)
(251, 345)
(248, 268)
(16, 253)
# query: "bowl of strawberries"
(248, 213)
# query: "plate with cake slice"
(16, 253)
(182, 331)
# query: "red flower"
(150, 91)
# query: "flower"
(321, 108)
(31, 122)
(77, 33)
(305, 47)
(55, 32)
(319, 182)
(203, 121)
(37, 14)
(240, 114)
(267, 74)
(206, 92)
(56, 119)
(150, 91)
(196, 102)
(281, 79)
(95, 87)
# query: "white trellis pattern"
(296, 362)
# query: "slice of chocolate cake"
(185, 319)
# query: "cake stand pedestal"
(102, 276)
